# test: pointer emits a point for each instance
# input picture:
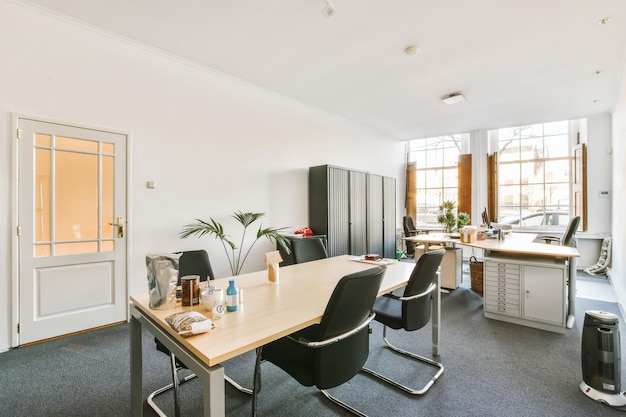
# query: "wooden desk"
(521, 250)
(451, 265)
(268, 312)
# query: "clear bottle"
(232, 296)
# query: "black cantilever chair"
(308, 249)
(409, 230)
(332, 352)
(194, 262)
(411, 311)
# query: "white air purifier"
(601, 359)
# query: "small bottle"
(232, 296)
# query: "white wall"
(599, 172)
(618, 269)
(213, 145)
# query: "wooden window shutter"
(411, 190)
(464, 203)
(492, 187)
(579, 183)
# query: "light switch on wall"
(150, 184)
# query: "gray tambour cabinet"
(529, 292)
(354, 209)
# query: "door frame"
(15, 256)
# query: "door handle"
(120, 226)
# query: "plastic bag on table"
(162, 279)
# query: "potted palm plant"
(236, 255)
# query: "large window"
(533, 174)
(436, 180)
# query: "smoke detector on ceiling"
(453, 98)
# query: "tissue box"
(469, 234)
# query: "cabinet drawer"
(510, 309)
(499, 296)
(503, 274)
(503, 285)
(502, 267)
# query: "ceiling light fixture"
(453, 98)
(411, 50)
(329, 9)
(604, 21)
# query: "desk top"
(521, 247)
(271, 311)
(517, 243)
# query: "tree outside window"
(436, 161)
(533, 174)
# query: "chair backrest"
(308, 249)
(195, 262)
(408, 226)
(349, 306)
(569, 238)
(416, 313)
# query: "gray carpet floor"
(491, 369)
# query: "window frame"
(425, 211)
(525, 208)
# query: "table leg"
(571, 293)
(436, 315)
(136, 367)
(214, 393)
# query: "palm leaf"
(235, 259)
(247, 218)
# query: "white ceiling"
(522, 61)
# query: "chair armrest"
(322, 343)
(430, 289)
(549, 239)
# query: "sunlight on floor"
(595, 289)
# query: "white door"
(72, 231)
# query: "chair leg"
(411, 355)
(161, 390)
(176, 383)
(342, 404)
(256, 380)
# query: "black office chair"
(332, 352)
(411, 311)
(308, 249)
(194, 262)
(409, 230)
(568, 238)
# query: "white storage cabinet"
(528, 292)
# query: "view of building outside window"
(533, 174)
(436, 160)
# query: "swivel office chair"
(569, 237)
(194, 262)
(332, 352)
(308, 249)
(411, 311)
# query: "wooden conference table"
(268, 312)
